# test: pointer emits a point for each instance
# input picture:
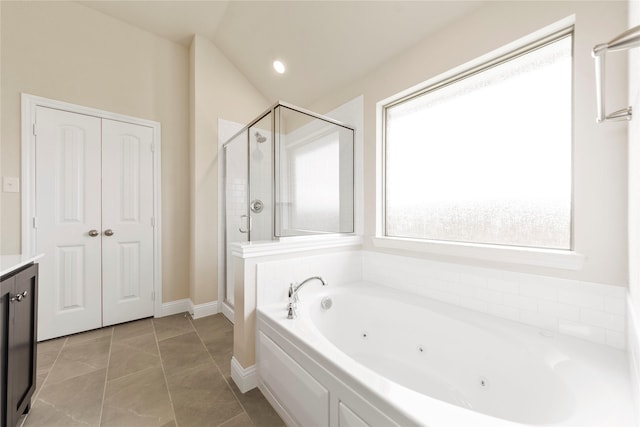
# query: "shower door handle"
(248, 223)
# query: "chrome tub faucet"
(293, 295)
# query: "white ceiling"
(325, 44)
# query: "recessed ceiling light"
(278, 66)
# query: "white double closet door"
(94, 221)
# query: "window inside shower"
(486, 156)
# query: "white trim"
(633, 352)
(174, 307)
(566, 260)
(287, 245)
(29, 104)
(266, 391)
(245, 378)
(203, 310)
(227, 310)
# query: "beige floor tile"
(51, 345)
(139, 399)
(258, 408)
(241, 420)
(211, 328)
(40, 379)
(126, 359)
(80, 358)
(201, 397)
(146, 343)
(71, 377)
(126, 331)
(76, 401)
(89, 336)
(171, 326)
(183, 351)
(48, 352)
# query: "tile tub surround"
(335, 268)
(592, 311)
(170, 371)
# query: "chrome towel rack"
(627, 40)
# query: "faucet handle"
(291, 311)
(293, 295)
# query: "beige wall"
(218, 90)
(634, 166)
(65, 51)
(600, 152)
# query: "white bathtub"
(380, 358)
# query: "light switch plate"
(10, 184)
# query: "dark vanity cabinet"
(18, 311)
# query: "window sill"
(554, 258)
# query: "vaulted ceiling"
(325, 44)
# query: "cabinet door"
(22, 349)
(6, 290)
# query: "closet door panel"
(127, 218)
(68, 220)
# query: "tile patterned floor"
(171, 371)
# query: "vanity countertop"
(9, 263)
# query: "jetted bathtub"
(377, 357)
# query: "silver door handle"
(93, 233)
(108, 232)
(248, 229)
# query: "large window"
(485, 156)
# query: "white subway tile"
(473, 279)
(503, 311)
(501, 285)
(539, 290)
(473, 304)
(442, 296)
(602, 319)
(489, 296)
(581, 299)
(580, 330)
(539, 320)
(615, 305)
(616, 339)
(463, 290)
(559, 310)
(520, 302)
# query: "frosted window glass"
(316, 196)
(486, 159)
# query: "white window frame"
(528, 256)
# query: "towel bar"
(627, 40)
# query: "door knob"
(93, 233)
(108, 232)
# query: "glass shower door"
(237, 219)
(261, 180)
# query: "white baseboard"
(633, 350)
(245, 378)
(174, 307)
(227, 310)
(186, 305)
(203, 310)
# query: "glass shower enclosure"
(290, 172)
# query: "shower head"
(260, 138)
